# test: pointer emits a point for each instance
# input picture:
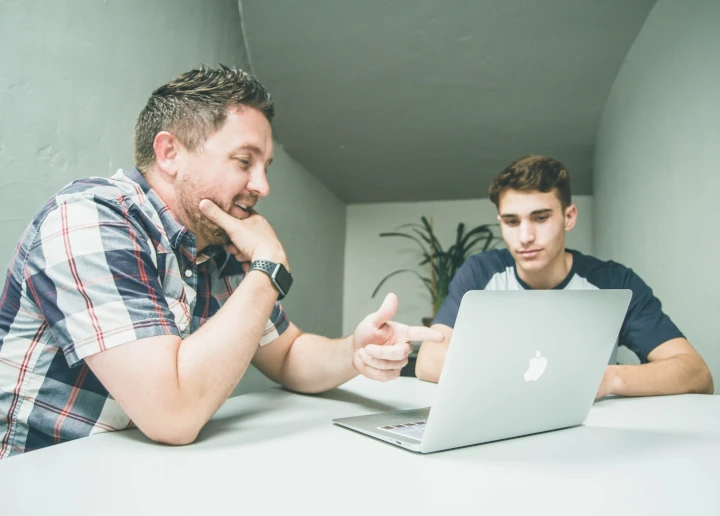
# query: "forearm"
(211, 362)
(317, 364)
(678, 374)
(430, 360)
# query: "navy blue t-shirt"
(645, 326)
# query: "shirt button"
(182, 326)
(188, 273)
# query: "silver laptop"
(519, 362)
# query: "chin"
(216, 237)
(530, 265)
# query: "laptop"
(519, 362)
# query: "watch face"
(283, 279)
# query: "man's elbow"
(698, 378)
(707, 386)
(171, 434)
(173, 427)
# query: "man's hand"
(610, 382)
(381, 346)
(252, 238)
(674, 367)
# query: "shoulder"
(88, 215)
(100, 190)
(103, 199)
(495, 260)
(604, 274)
(481, 267)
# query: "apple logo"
(537, 368)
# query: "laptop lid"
(521, 362)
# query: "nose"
(527, 233)
(258, 183)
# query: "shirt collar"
(181, 239)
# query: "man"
(532, 196)
(142, 298)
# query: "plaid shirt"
(105, 262)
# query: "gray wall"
(657, 172)
(74, 76)
(310, 222)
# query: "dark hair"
(194, 105)
(533, 173)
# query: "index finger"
(214, 213)
(422, 333)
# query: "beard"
(189, 197)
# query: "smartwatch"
(279, 275)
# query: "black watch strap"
(263, 265)
(279, 275)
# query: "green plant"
(443, 263)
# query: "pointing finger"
(422, 333)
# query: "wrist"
(279, 276)
(272, 255)
(263, 281)
(350, 353)
(618, 384)
(615, 382)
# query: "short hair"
(194, 105)
(533, 173)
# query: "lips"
(531, 253)
(240, 210)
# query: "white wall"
(657, 168)
(368, 257)
(74, 76)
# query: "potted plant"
(443, 263)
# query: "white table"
(275, 452)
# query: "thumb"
(386, 311)
(214, 213)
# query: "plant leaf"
(485, 228)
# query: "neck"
(166, 192)
(551, 276)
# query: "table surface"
(276, 451)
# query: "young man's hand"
(382, 346)
(252, 238)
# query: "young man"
(142, 298)
(532, 196)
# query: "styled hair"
(533, 173)
(194, 105)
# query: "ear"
(168, 151)
(570, 217)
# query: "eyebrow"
(254, 150)
(544, 211)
